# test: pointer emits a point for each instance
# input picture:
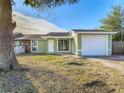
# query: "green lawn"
(58, 74)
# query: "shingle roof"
(16, 35)
(58, 34)
(40, 36)
(89, 30)
(28, 37)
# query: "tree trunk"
(7, 57)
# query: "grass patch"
(49, 58)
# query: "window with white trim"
(63, 45)
(34, 45)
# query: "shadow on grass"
(16, 82)
(75, 63)
(97, 86)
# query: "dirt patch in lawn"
(75, 63)
(97, 86)
(58, 74)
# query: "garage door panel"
(94, 45)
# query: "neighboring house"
(79, 42)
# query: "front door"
(26, 45)
(51, 46)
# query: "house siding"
(42, 46)
(73, 46)
(79, 45)
(75, 43)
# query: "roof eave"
(96, 32)
(59, 37)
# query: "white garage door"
(94, 45)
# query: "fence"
(118, 47)
(19, 49)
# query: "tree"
(113, 22)
(7, 57)
(122, 24)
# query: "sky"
(86, 14)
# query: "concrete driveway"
(115, 62)
(119, 58)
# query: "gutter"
(105, 33)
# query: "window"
(63, 45)
(34, 45)
(17, 43)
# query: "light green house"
(78, 42)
